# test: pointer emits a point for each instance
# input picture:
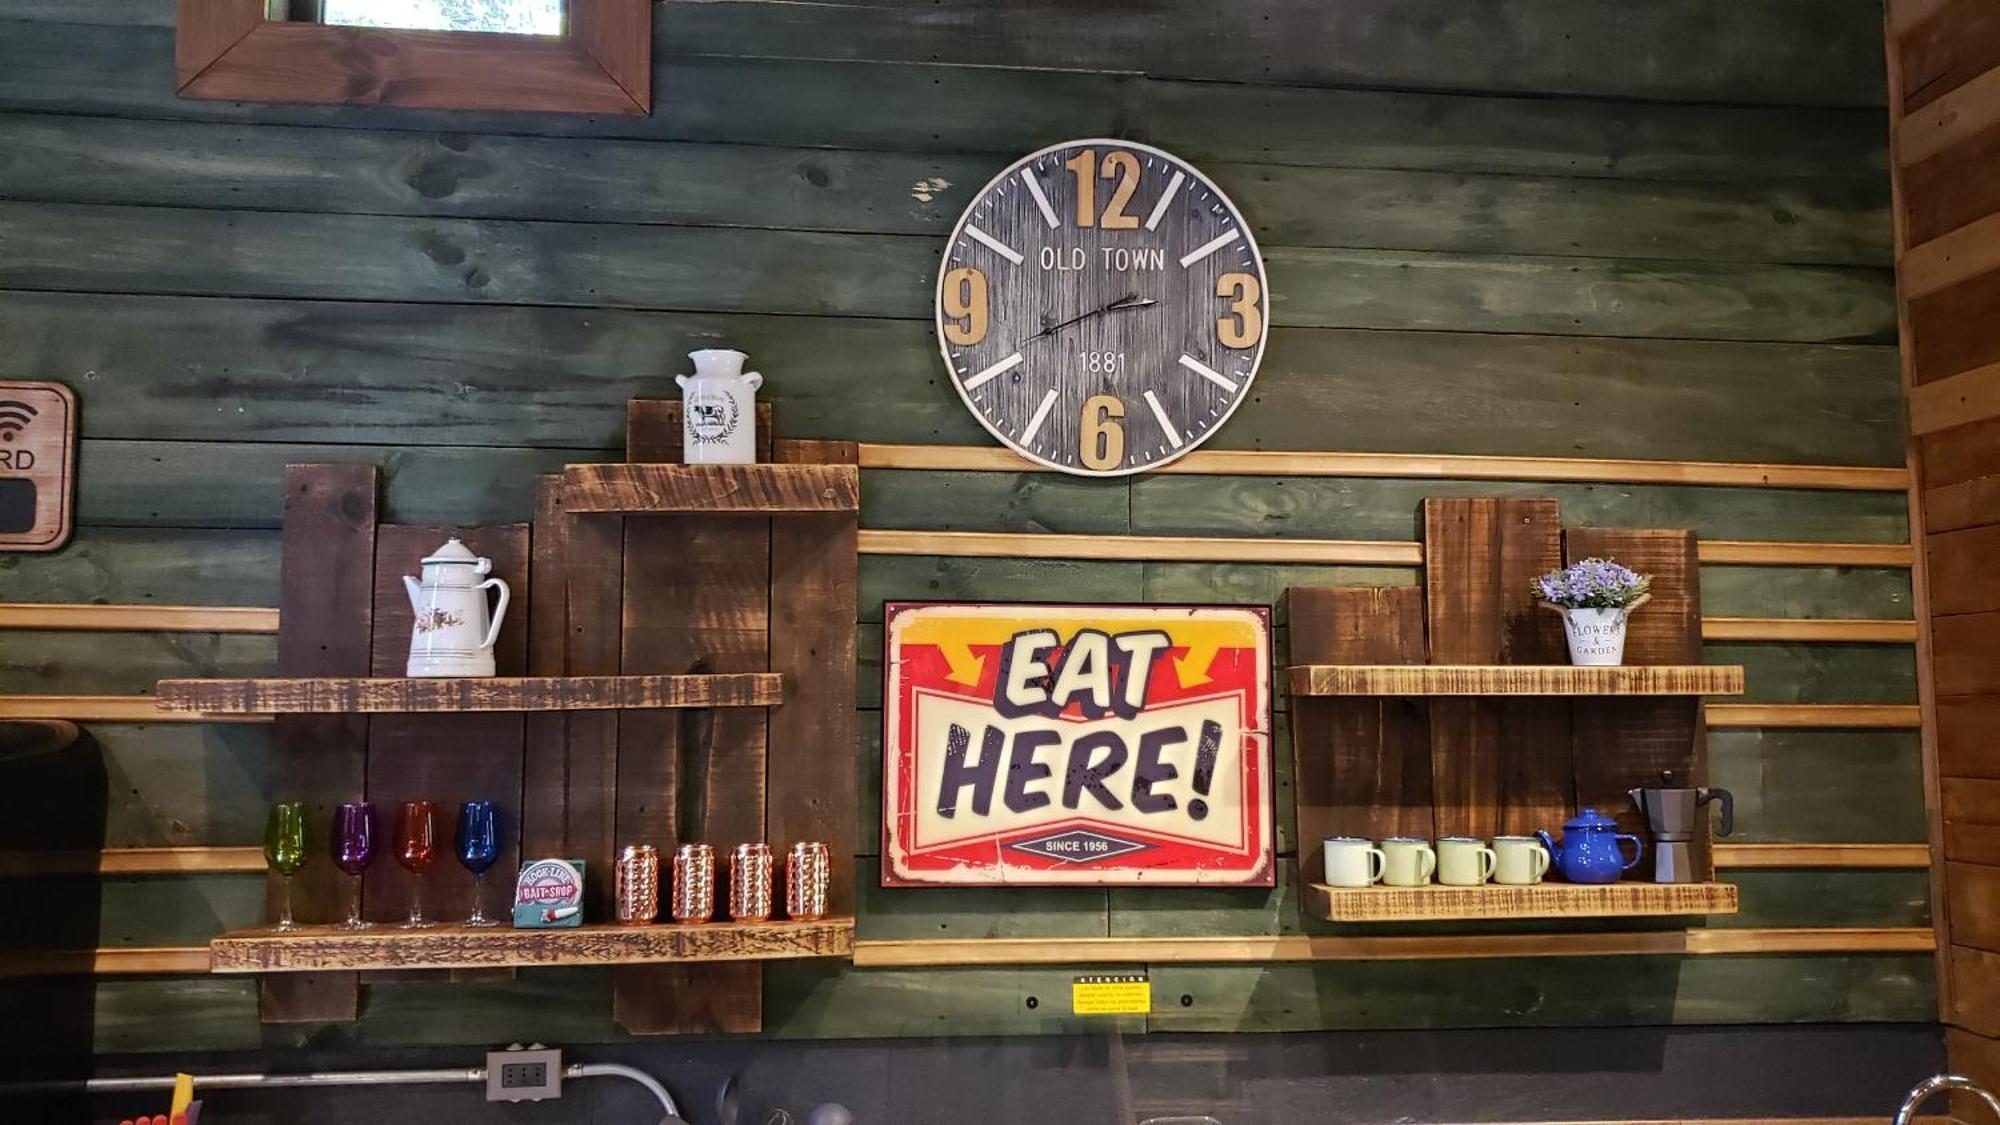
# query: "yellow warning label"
(1112, 994)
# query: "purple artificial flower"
(1592, 584)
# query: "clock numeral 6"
(1245, 321)
(965, 306)
(1119, 165)
(1102, 444)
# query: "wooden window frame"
(230, 50)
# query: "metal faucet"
(1929, 1088)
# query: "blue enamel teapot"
(1590, 852)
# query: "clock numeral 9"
(1119, 165)
(965, 306)
(1245, 321)
(1102, 442)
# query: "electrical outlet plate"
(523, 1074)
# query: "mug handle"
(499, 611)
(1430, 866)
(1489, 862)
(755, 380)
(1541, 860)
(1378, 865)
(1638, 850)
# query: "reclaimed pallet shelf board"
(1515, 679)
(265, 949)
(1437, 902)
(356, 695)
(761, 489)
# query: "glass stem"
(285, 902)
(417, 901)
(478, 898)
(354, 901)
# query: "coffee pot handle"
(1728, 799)
(499, 611)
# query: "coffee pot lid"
(453, 552)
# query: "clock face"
(1102, 307)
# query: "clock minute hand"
(1129, 301)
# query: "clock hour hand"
(1128, 301)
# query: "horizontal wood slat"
(746, 489)
(1848, 715)
(1438, 902)
(1808, 630)
(135, 861)
(1514, 679)
(1955, 400)
(316, 948)
(1425, 466)
(110, 961)
(140, 618)
(1752, 857)
(1965, 252)
(961, 952)
(1328, 552)
(107, 709)
(259, 619)
(1955, 117)
(363, 695)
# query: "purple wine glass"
(353, 851)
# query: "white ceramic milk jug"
(719, 409)
(454, 631)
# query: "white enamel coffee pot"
(454, 631)
(719, 409)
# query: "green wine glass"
(285, 851)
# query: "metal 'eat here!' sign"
(1043, 745)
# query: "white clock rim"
(944, 346)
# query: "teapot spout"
(416, 593)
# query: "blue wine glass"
(478, 849)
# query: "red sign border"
(1263, 875)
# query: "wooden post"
(326, 595)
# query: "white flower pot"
(1596, 636)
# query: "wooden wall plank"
(1361, 767)
(697, 598)
(327, 592)
(1974, 893)
(444, 758)
(1626, 743)
(545, 763)
(1946, 329)
(1966, 653)
(1955, 45)
(1498, 766)
(1975, 1001)
(1966, 747)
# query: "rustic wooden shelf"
(1515, 679)
(265, 949)
(760, 489)
(368, 695)
(1541, 900)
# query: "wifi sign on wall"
(37, 465)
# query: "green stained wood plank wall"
(1528, 227)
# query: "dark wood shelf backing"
(760, 489)
(378, 695)
(265, 949)
(1438, 902)
(1514, 679)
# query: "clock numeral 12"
(1245, 323)
(965, 306)
(1119, 165)
(1102, 442)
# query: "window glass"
(519, 17)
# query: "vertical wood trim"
(1920, 567)
(545, 767)
(326, 596)
(206, 30)
(618, 34)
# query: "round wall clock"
(1102, 307)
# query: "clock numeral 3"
(1245, 323)
(965, 306)
(1102, 443)
(1119, 165)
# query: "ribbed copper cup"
(638, 884)
(807, 874)
(694, 883)
(750, 883)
